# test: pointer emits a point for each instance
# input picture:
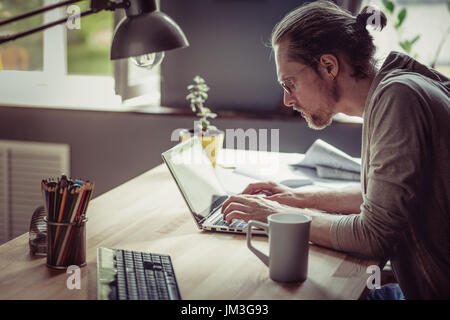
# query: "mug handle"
(264, 258)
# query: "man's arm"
(320, 227)
(345, 201)
(253, 207)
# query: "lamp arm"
(38, 11)
(96, 6)
(43, 27)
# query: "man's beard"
(318, 122)
(324, 117)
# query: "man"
(401, 212)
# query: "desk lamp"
(144, 34)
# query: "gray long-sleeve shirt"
(405, 216)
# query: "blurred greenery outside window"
(419, 28)
(24, 54)
(88, 47)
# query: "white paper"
(283, 174)
(333, 173)
(324, 154)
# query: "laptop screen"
(195, 176)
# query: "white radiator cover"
(22, 167)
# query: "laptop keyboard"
(237, 224)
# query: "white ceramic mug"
(288, 245)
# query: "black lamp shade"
(146, 33)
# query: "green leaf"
(389, 5)
(405, 45)
(448, 6)
(415, 39)
(202, 87)
(205, 123)
(401, 17)
(198, 79)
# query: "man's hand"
(259, 200)
(257, 207)
(266, 188)
(251, 207)
(277, 192)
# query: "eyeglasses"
(288, 85)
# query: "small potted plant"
(210, 136)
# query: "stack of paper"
(330, 162)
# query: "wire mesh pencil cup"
(38, 232)
(66, 244)
(66, 201)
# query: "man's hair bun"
(371, 16)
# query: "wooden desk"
(148, 213)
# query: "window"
(88, 43)
(67, 65)
(427, 21)
(25, 53)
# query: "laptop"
(201, 189)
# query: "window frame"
(53, 87)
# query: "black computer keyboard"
(139, 276)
